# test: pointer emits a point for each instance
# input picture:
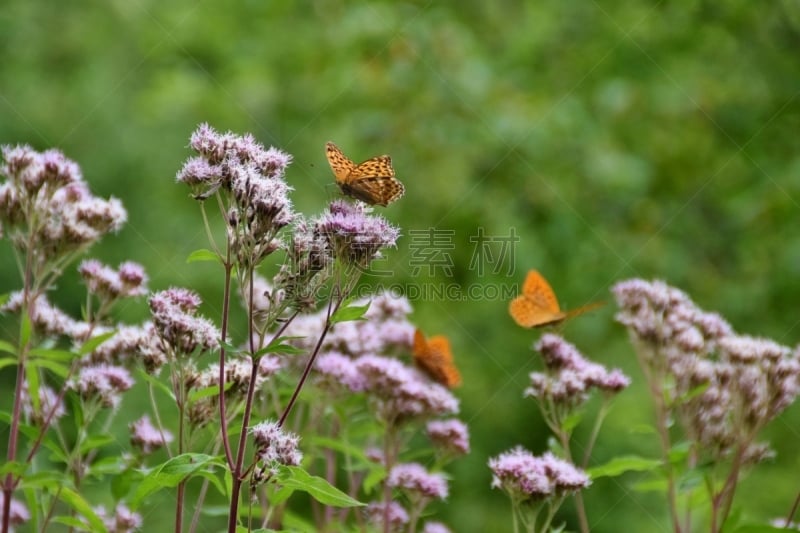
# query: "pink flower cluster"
(527, 477)
(147, 437)
(109, 284)
(179, 329)
(450, 435)
(273, 444)
(724, 387)
(46, 206)
(102, 383)
(569, 377)
(418, 483)
(259, 196)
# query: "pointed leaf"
(349, 312)
(170, 473)
(94, 342)
(8, 347)
(319, 489)
(202, 254)
(620, 465)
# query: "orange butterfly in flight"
(434, 357)
(537, 305)
(372, 181)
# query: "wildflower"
(178, 327)
(147, 437)
(338, 371)
(273, 444)
(569, 377)
(414, 480)
(104, 383)
(401, 393)
(123, 520)
(450, 435)
(123, 347)
(46, 317)
(527, 477)
(110, 284)
(353, 235)
(253, 175)
(392, 512)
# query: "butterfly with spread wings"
(537, 306)
(372, 181)
(434, 357)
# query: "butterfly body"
(537, 306)
(434, 357)
(372, 181)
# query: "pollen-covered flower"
(450, 435)
(527, 477)
(147, 437)
(273, 444)
(418, 483)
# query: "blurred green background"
(617, 138)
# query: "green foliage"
(618, 139)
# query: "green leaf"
(7, 347)
(50, 354)
(205, 392)
(12, 467)
(53, 366)
(90, 345)
(349, 312)
(279, 346)
(7, 361)
(296, 478)
(172, 472)
(572, 420)
(4, 298)
(620, 465)
(82, 507)
(96, 441)
(203, 254)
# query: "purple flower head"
(46, 205)
(110, 284)
(178, 327)
(400, 393)
(450, 435)
(527, 477)
(104, 383)
(265, 297)
(123, 521)
(47, 318)
(418, 483)
(379, 512)
(147, 437)
(353, 235)
(338, 372)
(123, 348)
(276, 445)
(568, 376)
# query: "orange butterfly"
(434, 357)
(537, 305)
(372, 181)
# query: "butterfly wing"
(435, 358)
(341, 165)
(373, 182)
(537, 305)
